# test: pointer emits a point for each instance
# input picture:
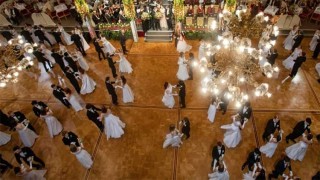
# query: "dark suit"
(57, 36)
(112, 67)
(93, 115)
(272, 58)
(77, 40)
(186, 127)
(6, 121)
(7, 34)
(279, 169)
(40, 57)
(96, 19)
(71, 138)
(59, 94)
(99, 50)
(112, 92)
(70, 75)
(27, 36)
(169, 18)
(297, 64)
(182, 93)
(25, 154)
(191, 60)
(41, 36)
(297, 41)
(316, 50)
(39, 108)
(19, 117)
(123, 43)
(224, 102)
(298, 130)
(216, 154)
(4, 165)
(251, 160)
(270, 129)
(59, 59)
(71, 63)
(245, 114)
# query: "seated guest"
(200, 11)
(96, 17)
(210, 11)
(190, 11)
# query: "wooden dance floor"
(138, 155)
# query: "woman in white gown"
(213, 109)
(288, 42)
(167, 98)
(31, 174)
(173, 138)
(84, 42)
(113, 125)
(220, 173)
(289, 62)
(44, 75)
(258, 175)
(47, 53)
(182, 46)
(124, 65)
(232, 136)
(54, 126)
(48, 35)
(182, 73)
(81, 61)
(314, 40)
(298, 150)
(65, 36)
(88, 84)
(127, 94)
(4, 138)
(82, 155)
(269, 148)
(107, 46)
(27, 136)
(73, 100)
(163, 20)
(202, 48)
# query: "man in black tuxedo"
(71, 63)
(253, 159)
(70, 138)
(156, 20)
(217, 154)
(245, 111)
(297, 64)
(6, 121)
(182, 93)
(280, 167)
(272, 56)
(27, 35)
(93, 115)
(297, 40)
(169, 17)
(98, 48)
(19, 117)
(271, 127)
(40, 57)
(224, 101)
(112, 91)
(123, 42)
(39, 107)
(40, 34)
(28, 157)
(152, 18)
(316, 50)
(59, 59)
(185, 127)
(4, 165)
(96, 18)
(58, 93)
(111, 65)
(72, 78)
(7, 34)
(77, 40)
(190, 64)
(299, 129)
(57, 36)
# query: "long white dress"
(201, 52)
(182, 73)
(47, 55)
(44, 76)
(54, 126)
(248, 176)
(75, 103)
(289, 62)
(127, 94)
(212, 112)
(84, 42)
(173, 139)
(219, 175)
(182, 46)
(50, 37)
(84, 158)
(167, 98)
(297, 151)
(107, 46)
(113, 126)
(88, 85)
(34, 175)
(288, 42)
(269, 148)
(82, 61)
(4, 138)
(314, 41)
(27, 136)
(124, 65)
(232, 136)
(65, 36)
(318, 68)
(163, 20)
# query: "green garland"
(179, 9)
(129, 9)
(115, 35)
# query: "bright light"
(195, 63)
(220, 15)
(20, 41)
(250, 50)
(214, 25)
(230, 72)
(260, 14)
(208, 53)
(238, 104)
(28, 58)
(266, 18)
(224, 11)
(216, 91)
(31, 63)
(16, 74)
(204, 90)
(2, 84)
(276, 69)
(245, 97)
(10, 42)
(206, 79)
(241, 79)
(229, 96)
(260, 58)
(202, 69)
(19, 68)
(223, 81)
(268, 45)
(30, 51)
(276, 33)
(35, 45)
(9, 76)
(269, 75)
(275, 28)
(269, 94)
(219, 38)
(218, 47)
(257, 93)
(273, 42)
(241, 48)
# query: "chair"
(306, 14)
(189, 21)
(52, 14)
(200, 21)
(315, 17)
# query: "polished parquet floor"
(139, 155)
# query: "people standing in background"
(123, 42)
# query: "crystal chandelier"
(231, 62)
(15, 56)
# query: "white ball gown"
(212, 112)
(297, 151)
(318, 68)
(124, 65)
(288, 42)
(82, 61)
(54, 126)
(173, 139)
(202, 52)
(163, 20)
(44, 76)
(219, 175)
(314, 41)
(47, 55)
(84, 158)
(84, 42)
(182, 73)
(232, 136)
(34, 175)
(27, 136)
(182, 46)
(269, 148)
(127, 94)
(289, 62)
(4, 138)
(167, 98)
(113, 126)
(107, 46)
(65, 36)
(248, 176)
(88, 85)
(75, 103)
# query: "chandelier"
(231, 62)
(15, 56)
